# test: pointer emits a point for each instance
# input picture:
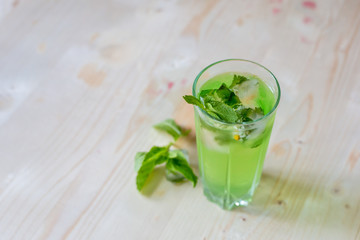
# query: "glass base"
(226, 201)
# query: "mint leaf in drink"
(238, 79)
(224, 102)
(139, 158)
(220, 103)
(242, 114)
(178, 164)
(213, 113)
(170, 126)
(156, 156)
(249, 114)
(193, 100)
(223, 93)
(224, 111)
(206, 92)
(233, 101)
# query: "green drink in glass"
(236, 102)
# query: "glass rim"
(242, 60)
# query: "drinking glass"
(231, 155)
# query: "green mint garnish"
(177, 167)
(222, 110)
(176, 161)
(169, 126)
(248, 114)
(194, 101)
(222, 103)
(238, 80)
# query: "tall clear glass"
(231, 164)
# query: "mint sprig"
(222, 103)
(177, 163)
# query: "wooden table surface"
(82, 82)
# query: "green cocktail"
(232, 147)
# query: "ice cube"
(256, 113)
(257, 132)
(248, 92)
(209, 139)
(256, 136)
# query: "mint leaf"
(139, 158)
(224, 111)
(228, 96)
(213, 113)
(249, 114)
(206, 92)
(238, 80)
(223, 93)
(156, 155)
(170, 126)
(178, 164)
(220, 103)
(170, 174)
(193, 100)
(242, 114)
(144, 173)
(233, 101)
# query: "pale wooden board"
(82, 82)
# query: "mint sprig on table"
(223, 104)
(176, 161)
(169, 126)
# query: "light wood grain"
(82, 82)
